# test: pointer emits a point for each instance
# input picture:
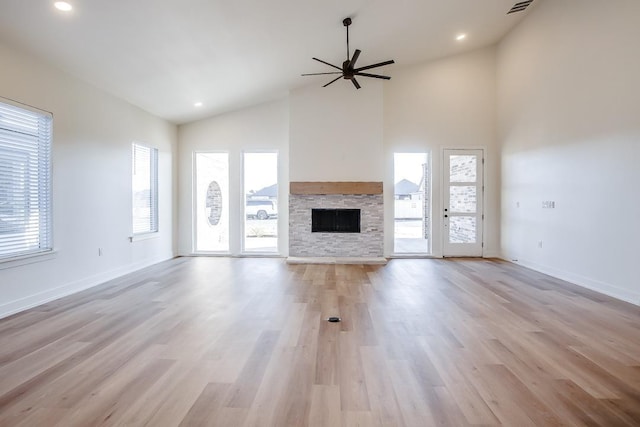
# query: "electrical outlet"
(540, 244)
(548, 204)
(99, 251)
(517, 204)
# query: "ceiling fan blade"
(379, 64)
(320, 74)
(356, 54)
(326, 63)
(355, 83)
(376, 76)
(339, 77)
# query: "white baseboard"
(576, 279)
(491, 254)
(49, 295)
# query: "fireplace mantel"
(335, 187)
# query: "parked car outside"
(261, 209)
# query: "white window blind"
(25, 181)
(145, 189)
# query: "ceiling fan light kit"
(348, 71)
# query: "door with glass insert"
(462, 207)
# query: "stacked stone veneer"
(368, 243)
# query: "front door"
(462, 207)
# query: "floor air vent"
(520, 6)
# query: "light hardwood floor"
(244, 342)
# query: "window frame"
(35, 148)
(243, 233)
(427, 214)
(154, 220)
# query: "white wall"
(336, 132)
(92, 135)
(263, 127)
(569, 108)
(448, 103)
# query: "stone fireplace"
(363, 196)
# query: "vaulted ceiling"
(165, 55)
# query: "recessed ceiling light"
(198, 104)
(63, 6)
(461, 37)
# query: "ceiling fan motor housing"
(347, 71)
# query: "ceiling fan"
(348, 70)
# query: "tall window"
(145, 189)
(25, 181)
(411, 204)
(260, 202)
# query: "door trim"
(481, 198)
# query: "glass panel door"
(411, 203)
(463, 171)
(261, 202)
(212, 202)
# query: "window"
(25, 181)
(411, 203)
(145, 189)
(261, 202)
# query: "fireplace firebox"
(335, 220)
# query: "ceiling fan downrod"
(346, 22)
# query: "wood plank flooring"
(245, 342)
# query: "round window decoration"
(214, 203)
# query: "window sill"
(27, 259)
(210, 253)
(257, 254)
(145, 236)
